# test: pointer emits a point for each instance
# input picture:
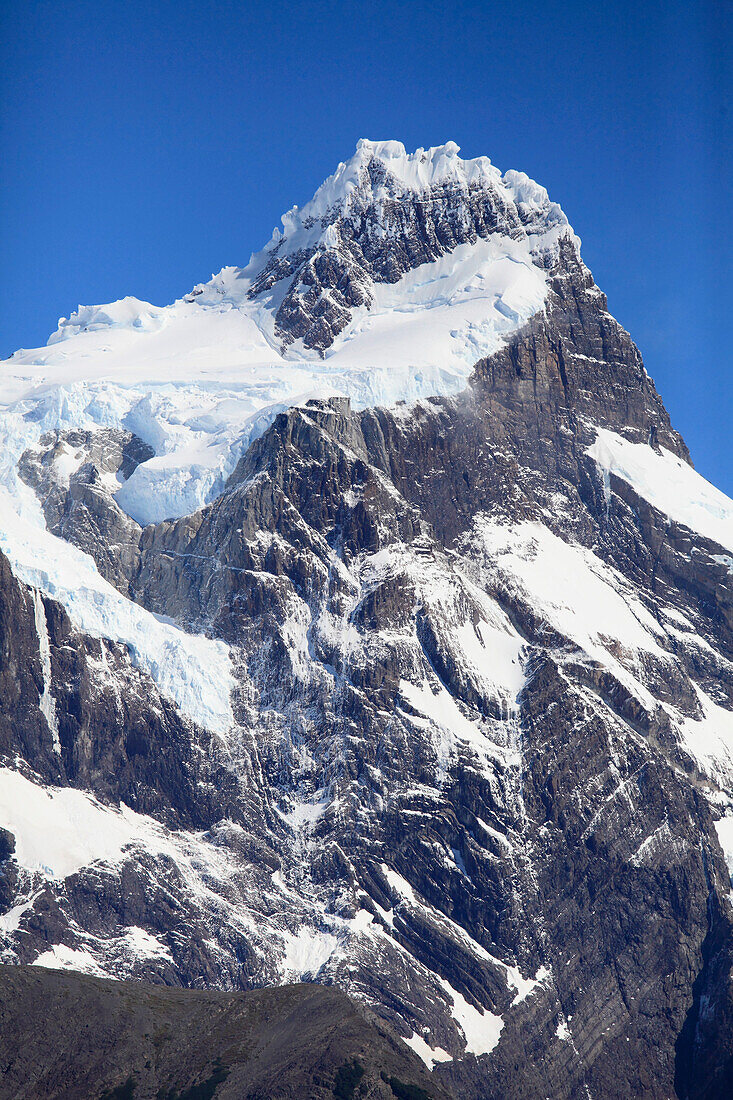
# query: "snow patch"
(708, 739)
(525, 987)
(584, 599)
(143, 945)
(59, 830)
(724, 829)
(481, 1028)
(61, 957)
(562, 1032)
(306, 953)
(668, 483)
(431, 1056)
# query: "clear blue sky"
(146, 145)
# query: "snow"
(141, 944)
(437, 321)
(486, 1024)
(59, 830)
(399, 884)
(724, 829)
(10, 920)
(306, 953)
(431, 1056)
(134, 944)
(579, 595)
(439, 710)
(200, 378)
(563, 1031)
(709, 740)
(47, 701)
(668, 483)
(481, 1028)
(194, 671)
(126, 313)
(583, 597)
(306, 814)
(61, 957)
(408, 172)
(502, 840)
(525, 987)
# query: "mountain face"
(365, 622)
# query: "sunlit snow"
(668, 483)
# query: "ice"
(194, 671)
(126, 313)
(668, 483)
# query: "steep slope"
(444, 713)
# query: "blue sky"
(146, 145)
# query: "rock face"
(478, 772)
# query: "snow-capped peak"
(418, 171)
(380, 171)
(381, 215)
(404, 172)
(399, 274)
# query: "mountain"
(364, 621)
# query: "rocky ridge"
(142, 1042)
